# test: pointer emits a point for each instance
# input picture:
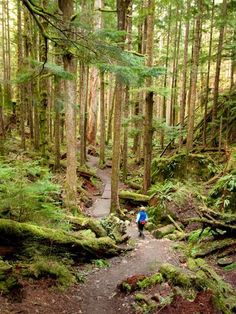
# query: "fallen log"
(80, 245)
(134, 197)
(134, 185)
(216, 221)
(205, 248)
(82, 223)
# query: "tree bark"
(184, 77)
(217, 73)
(193, 78)
(208, 74)
(83, 109)
(163, 107)
(20, 65)
(148, 128)
(122, 7)
(67, 8)
(102, 121)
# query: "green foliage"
(223, 194)
(183, 166)
(131, 69)
(194, 235)
(28, 194)
(43, 267)
(171, 191)
(230, 267)
(101, 263)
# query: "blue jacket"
(142, 216)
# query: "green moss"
(144, 304)
(207, 278)
(115, 228)
(182, 166)
(135, 197)
(92, 247)
(230, 267)
(82, 222)
(8, 284)
(139, 297)
(126, 287)
(7, 279)
(194, 235)
(150, 281)
(205, 248)
(163, 231)
(44, 267)
(175, 275)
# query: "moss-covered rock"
(82, 222)
(176, 275)
(163, 231)
(150, 281)
(115, 228)
(183, 166)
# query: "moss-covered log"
(176, 275)
(134, 197)
(209, 247)
(134, 185)
(116, 228)
(207, 278)
(82, 223)
(80, 245)
(163, 231)
(216, 220)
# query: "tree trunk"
(208, 74)
(127, 98)
(193, 78)
(163, 107)
(83, 109)
(67, 8)
(122, 7)
(184, 77)
(102, 121)
(58, 100)
(217, 73)
(20, 65)
(148, 129)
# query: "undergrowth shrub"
(223, 194)
(183, 166)
(172, 192)
(43, 267)
(27, 193)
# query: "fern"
(28, 194)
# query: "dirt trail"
(99, 294)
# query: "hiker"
(141, 219)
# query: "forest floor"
(99, 294)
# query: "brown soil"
(203, 304)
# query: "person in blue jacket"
(141, 220)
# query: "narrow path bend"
(99, 293)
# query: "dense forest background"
(139, 92)
(72, 75)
